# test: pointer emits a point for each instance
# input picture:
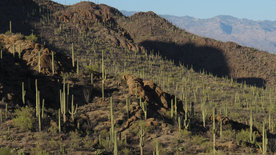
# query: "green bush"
(6, 151)
(24, 118)
(32, 37)
(242, 137)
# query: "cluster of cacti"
(63, 101)
(39, 110)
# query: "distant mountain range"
(257, 34)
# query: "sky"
(250, 9)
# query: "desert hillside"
(85, 79)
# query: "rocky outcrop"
(28, 50)
(151, 93)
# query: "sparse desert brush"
(24, 118)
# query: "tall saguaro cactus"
(37, 99)
(63, 101)
(73, 55)
(10, 26)
(53, 64)
(214, 130)
(23, 93)
(111, 119)
(73, 109)
(103, 74)
(39, 65)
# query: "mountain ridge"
(252, 33)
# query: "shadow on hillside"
(20, 12)
(14, 71)
(200, 58)
(257, 82)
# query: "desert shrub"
(6, 151)
(242, 137)
(90, 68)
(31, 37)
(24, 118)
(39, 151)
(75, 139)
(126, 151)
(228, 135)
(88, 142)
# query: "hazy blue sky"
(252, 9)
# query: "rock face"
(151, 93)
(28, 51)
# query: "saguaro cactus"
(10, 26)
(111, 119)
(53, 63)
(214, 131)
(186, 120)
(73, 109)
(141, 138)
(38, 64)
(23, 93)
(73, 55)
(37, 105)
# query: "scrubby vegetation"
(90, 81)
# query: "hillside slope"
(222, 59)
(135, 85)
